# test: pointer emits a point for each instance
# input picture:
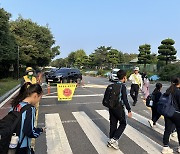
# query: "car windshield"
(62, 71)
(114, 72)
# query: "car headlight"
(59, 76)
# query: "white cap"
(136, 69)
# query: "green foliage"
(145, 56)
(167, 51)
(35, 42)
(113, 57)
(8, 51)
(170, 71)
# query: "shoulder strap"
(24, 108)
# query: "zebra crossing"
(57, 141)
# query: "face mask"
(30, 73)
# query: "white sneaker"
(174, 134)
(178, 149)
(167, 150)
(113, 143)
(150, 123)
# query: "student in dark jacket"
(118, 114)
(175, 119)
(156, 96)
(28, 94)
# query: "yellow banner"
(65, 91)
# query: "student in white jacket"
(136, 83)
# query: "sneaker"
(151, 123)
(167, 150)
(113, 143)
(174, 134)
(178, 149)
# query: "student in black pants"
(118, 114)
(156, 96)
(175, 119)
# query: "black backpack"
(10, 124)
(112, 98)
(165, 105)
(149, 100)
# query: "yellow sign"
(65, 91)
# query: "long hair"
(174, 83)
(158, 88)
(26, 90)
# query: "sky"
(88, 24)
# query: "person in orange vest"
(29, 76)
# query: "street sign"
(65, 91)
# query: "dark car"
(51, 71)
(65, 75)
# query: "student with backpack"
(29, 95)
(117, 112)
(173, 114)
(156, 94)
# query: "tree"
(101, 59)
(61, 62)
(144, 56)
(40, 38)
(167, 51)
(113, 57)
(8, 50)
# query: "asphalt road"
(81, 126)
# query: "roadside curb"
(5, 96)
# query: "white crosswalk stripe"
(143, 141)
(57, 141)
(95, 135)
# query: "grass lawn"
(7, 84)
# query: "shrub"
(170, 71)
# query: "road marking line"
(143, 141)
(144, 121)
(69, 103)
(56, 138)
(93, 95)
(94, 134)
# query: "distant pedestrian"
(156, 94)
(118, 114)
(28, 94)
(137, 83)
(175, 119)
(145, 88)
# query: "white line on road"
(94, 95)
(94, 134)
(143, 141)
(56, 138)
(144, 121)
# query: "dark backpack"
(10, 124)
(112, 96)
(165, 106)
(149, 100)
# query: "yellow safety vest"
(26, 79)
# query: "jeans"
(115, 116)
(155, 115)
(169, 126)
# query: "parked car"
(65, 75)
(113, 75)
